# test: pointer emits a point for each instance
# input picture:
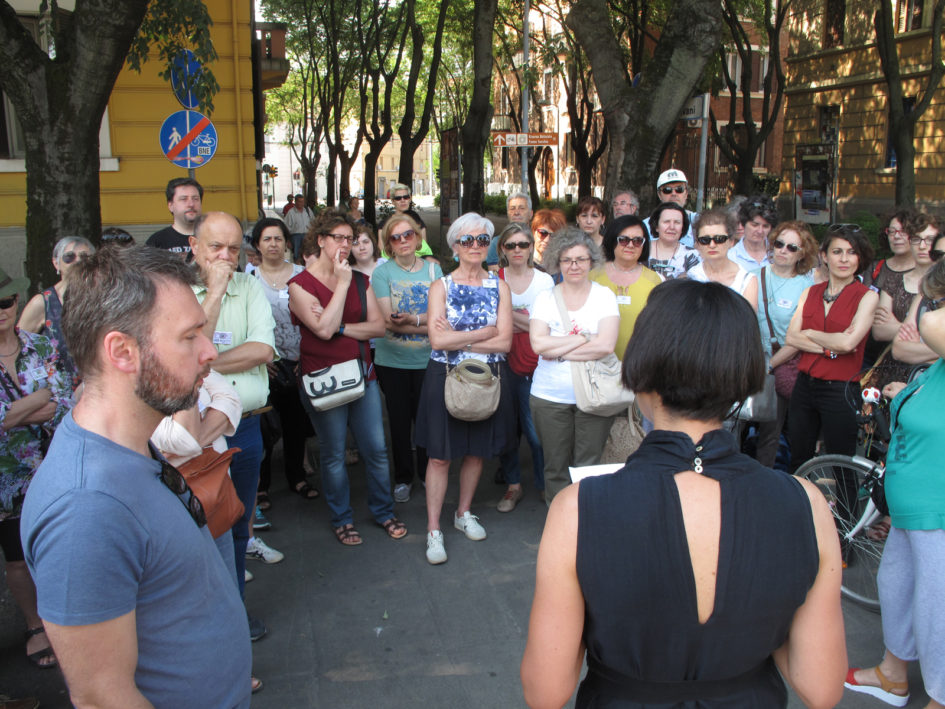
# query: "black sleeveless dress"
(645, 645)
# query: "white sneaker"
(259, 550)
(247, 576)
(436, 552)
(469, 525)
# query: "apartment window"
(828, 121)
(548, 86)
(908, 103)
(835, 17)
(909, 15)
(759, 65)
(722, 163)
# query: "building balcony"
(273, 65)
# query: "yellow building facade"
(134, 170)
(837, 111)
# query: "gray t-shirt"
(103, 536)
(286, 334)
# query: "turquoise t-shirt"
(783, 296)
(915, 477)
(408, 294)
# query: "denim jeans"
(365, 418)
(297, 245)
(244, 470)
(521, 386)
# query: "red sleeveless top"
(846, 367)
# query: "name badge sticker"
(784, 303)
(623, 300)
(491, 283)
(222, 338)
(38, 374)
(284, 294)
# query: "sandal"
(38, 657)
(348, 535)
(305, 491)
(262, 501)
(395, 528)
(894, 693)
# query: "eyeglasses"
(934, 254)
(635, 240)
(579, 261)
(793, 248)
(409, 234)
(709, 238)
(543, 233)
(341, 238)
(679, 189)
(511, 246)
(71, 256)
(400, 197)
(8, 302)
(889, 231)
(174, 481)
(916, 240)
(467, 240)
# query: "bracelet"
(341, 329)
(468, 346)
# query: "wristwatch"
(341, 329)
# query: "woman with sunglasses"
(400, 196)
(668, 256)
(568, 435)
(908, 347)
(338, 314)
(626, 250)
(714, 233)
(402, 286)
(469, 316)
(44, 310)
(895, 301)
(830, 327)
(781, 284)
(515, 246)
(545, 223)
(34, 396)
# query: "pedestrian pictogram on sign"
(188, 139)
(504, 139)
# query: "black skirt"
(448, 438)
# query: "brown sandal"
(395, 528)
(348, 535)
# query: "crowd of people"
(330, 322)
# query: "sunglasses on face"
(512, 245)
(467, 240)
(401, 197)
(709, 238)
(669, 190)
(7, 302)
(409, 234)
(543, 233)
(635, 240)
(793, 248)
(174, 481)
(71, 256)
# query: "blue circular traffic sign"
(188, 139)
(185, 72)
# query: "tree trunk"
(368, 205)
(903, 141)
(474, 135)
(330, 178)
(691, 35)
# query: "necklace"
(828, 298)
(409, 269)
(268, 277)
(15, 350)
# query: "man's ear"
(122, 352)
(192, 240)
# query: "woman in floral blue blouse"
(33, 399)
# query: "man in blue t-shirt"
(135, 596)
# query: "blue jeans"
(365, 418)
(521, 386)
(297, 245)
(244, 470)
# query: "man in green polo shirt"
(240, 323)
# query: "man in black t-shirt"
(184, 202)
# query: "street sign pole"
(525, 96)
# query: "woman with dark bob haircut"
(632, 566)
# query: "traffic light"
(274, 171)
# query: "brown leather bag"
(209, 479)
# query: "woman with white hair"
(44, 310)
(469, 316)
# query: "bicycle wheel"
(835, 476)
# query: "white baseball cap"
(671, 175)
